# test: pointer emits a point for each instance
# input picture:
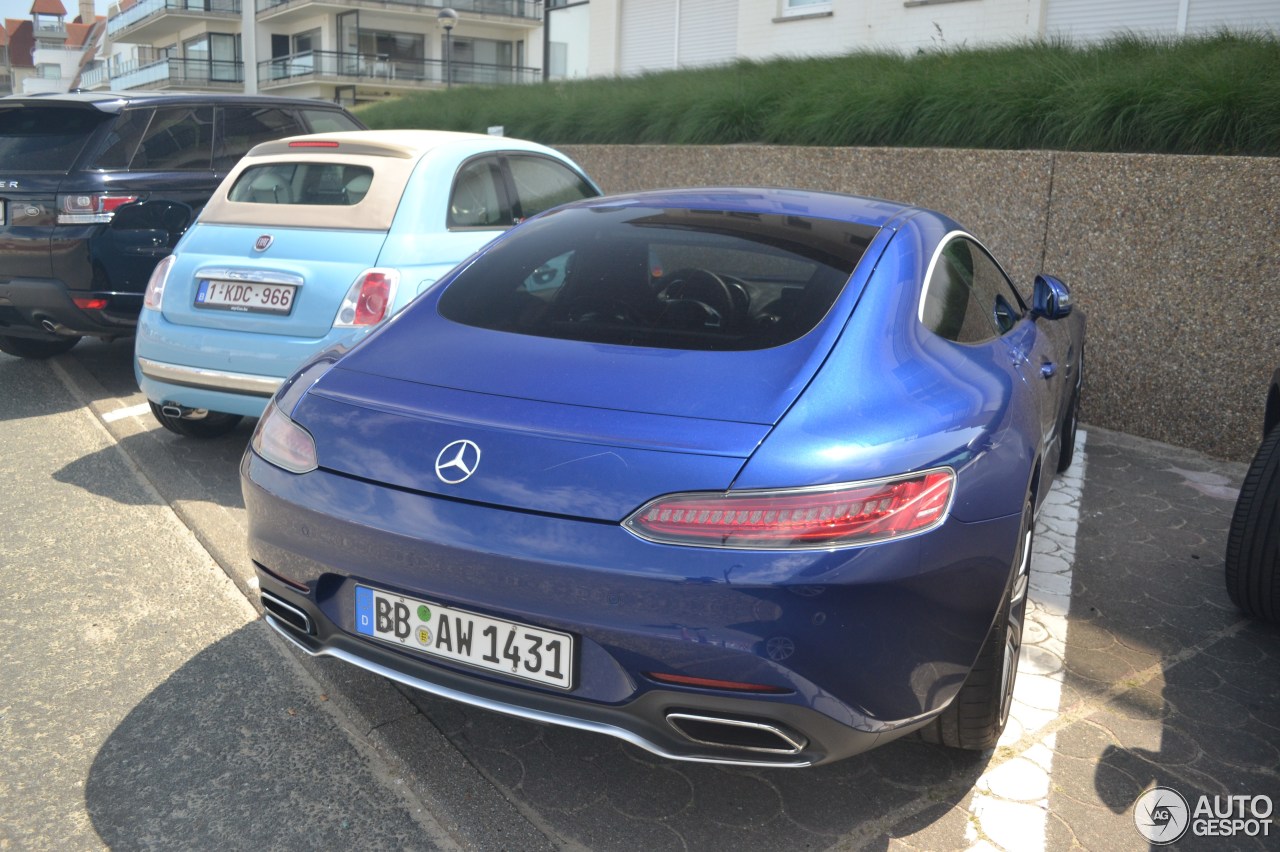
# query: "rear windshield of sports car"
(303, 183)
(664, 278)
(39, 139)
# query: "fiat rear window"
(302, 183)
(666, 278)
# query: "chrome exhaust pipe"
(182, 412)
(762, 737)
(52, 327)
(295, 617)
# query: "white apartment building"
(632, 36)
(354, 51)
(351, 51)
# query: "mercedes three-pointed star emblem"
(457, 461)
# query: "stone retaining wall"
(1175, 259)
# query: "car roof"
(392, 154)
(875, 212)
(116, 101)
(407, 144)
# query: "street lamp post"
(448, 19)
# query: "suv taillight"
(368, 301)
(854, 513)
(87, 208)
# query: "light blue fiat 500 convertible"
(311, 242)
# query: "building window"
(805, 7)
(50, 71)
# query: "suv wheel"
(210, 424)
(1253, 542)
(26, 347)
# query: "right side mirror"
(1050, 298)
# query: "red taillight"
(368, 301)
(711, 683)
(836, 516)
(89, 303)
(89, 208)
(112, 203)
(313, 143)
(371, 304)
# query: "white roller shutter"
(647, 36)
(1209, 15)
(708, 32)
(1093, 20)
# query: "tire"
(976, 717)
(1253, 540)
(212, 424)
(26, 347)
(1071, 421)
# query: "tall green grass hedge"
(1217, 94)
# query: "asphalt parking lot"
(1139, 673)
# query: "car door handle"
(1048, 369)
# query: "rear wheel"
(1071, 421)
(26, 347)
(1253, 542)
(976, 717)
(198, 424)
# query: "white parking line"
(1010, 804)
(131, 411)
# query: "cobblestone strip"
(1010, 803)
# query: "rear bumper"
(43, 308)
(217, 369)
(867, 645)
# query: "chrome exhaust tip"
(761, 737)
(287, 613)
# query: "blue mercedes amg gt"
(736, 475)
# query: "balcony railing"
(530, 9)
(385, 70)
(94, 77)
(147, 9)
(181, 74)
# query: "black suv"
(95, 188)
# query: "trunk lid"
(323, 265)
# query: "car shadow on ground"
(602, 794)
(234, 751)
(1167, 684)
(182, 469)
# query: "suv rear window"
(667, 278)
(302, 183)
(39, 139)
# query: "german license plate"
(508, 647)
(246, 296)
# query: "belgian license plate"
(532, 653)
(246, 296)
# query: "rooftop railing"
(511, 8)
(378, 68)
(146, 9)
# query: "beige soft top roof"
(391, 154)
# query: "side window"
(477, 197)
(244, 127)
(950, 307)
(542, 183)
(329, 121)
(122, 139)
(993, 289)
(178, 139)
